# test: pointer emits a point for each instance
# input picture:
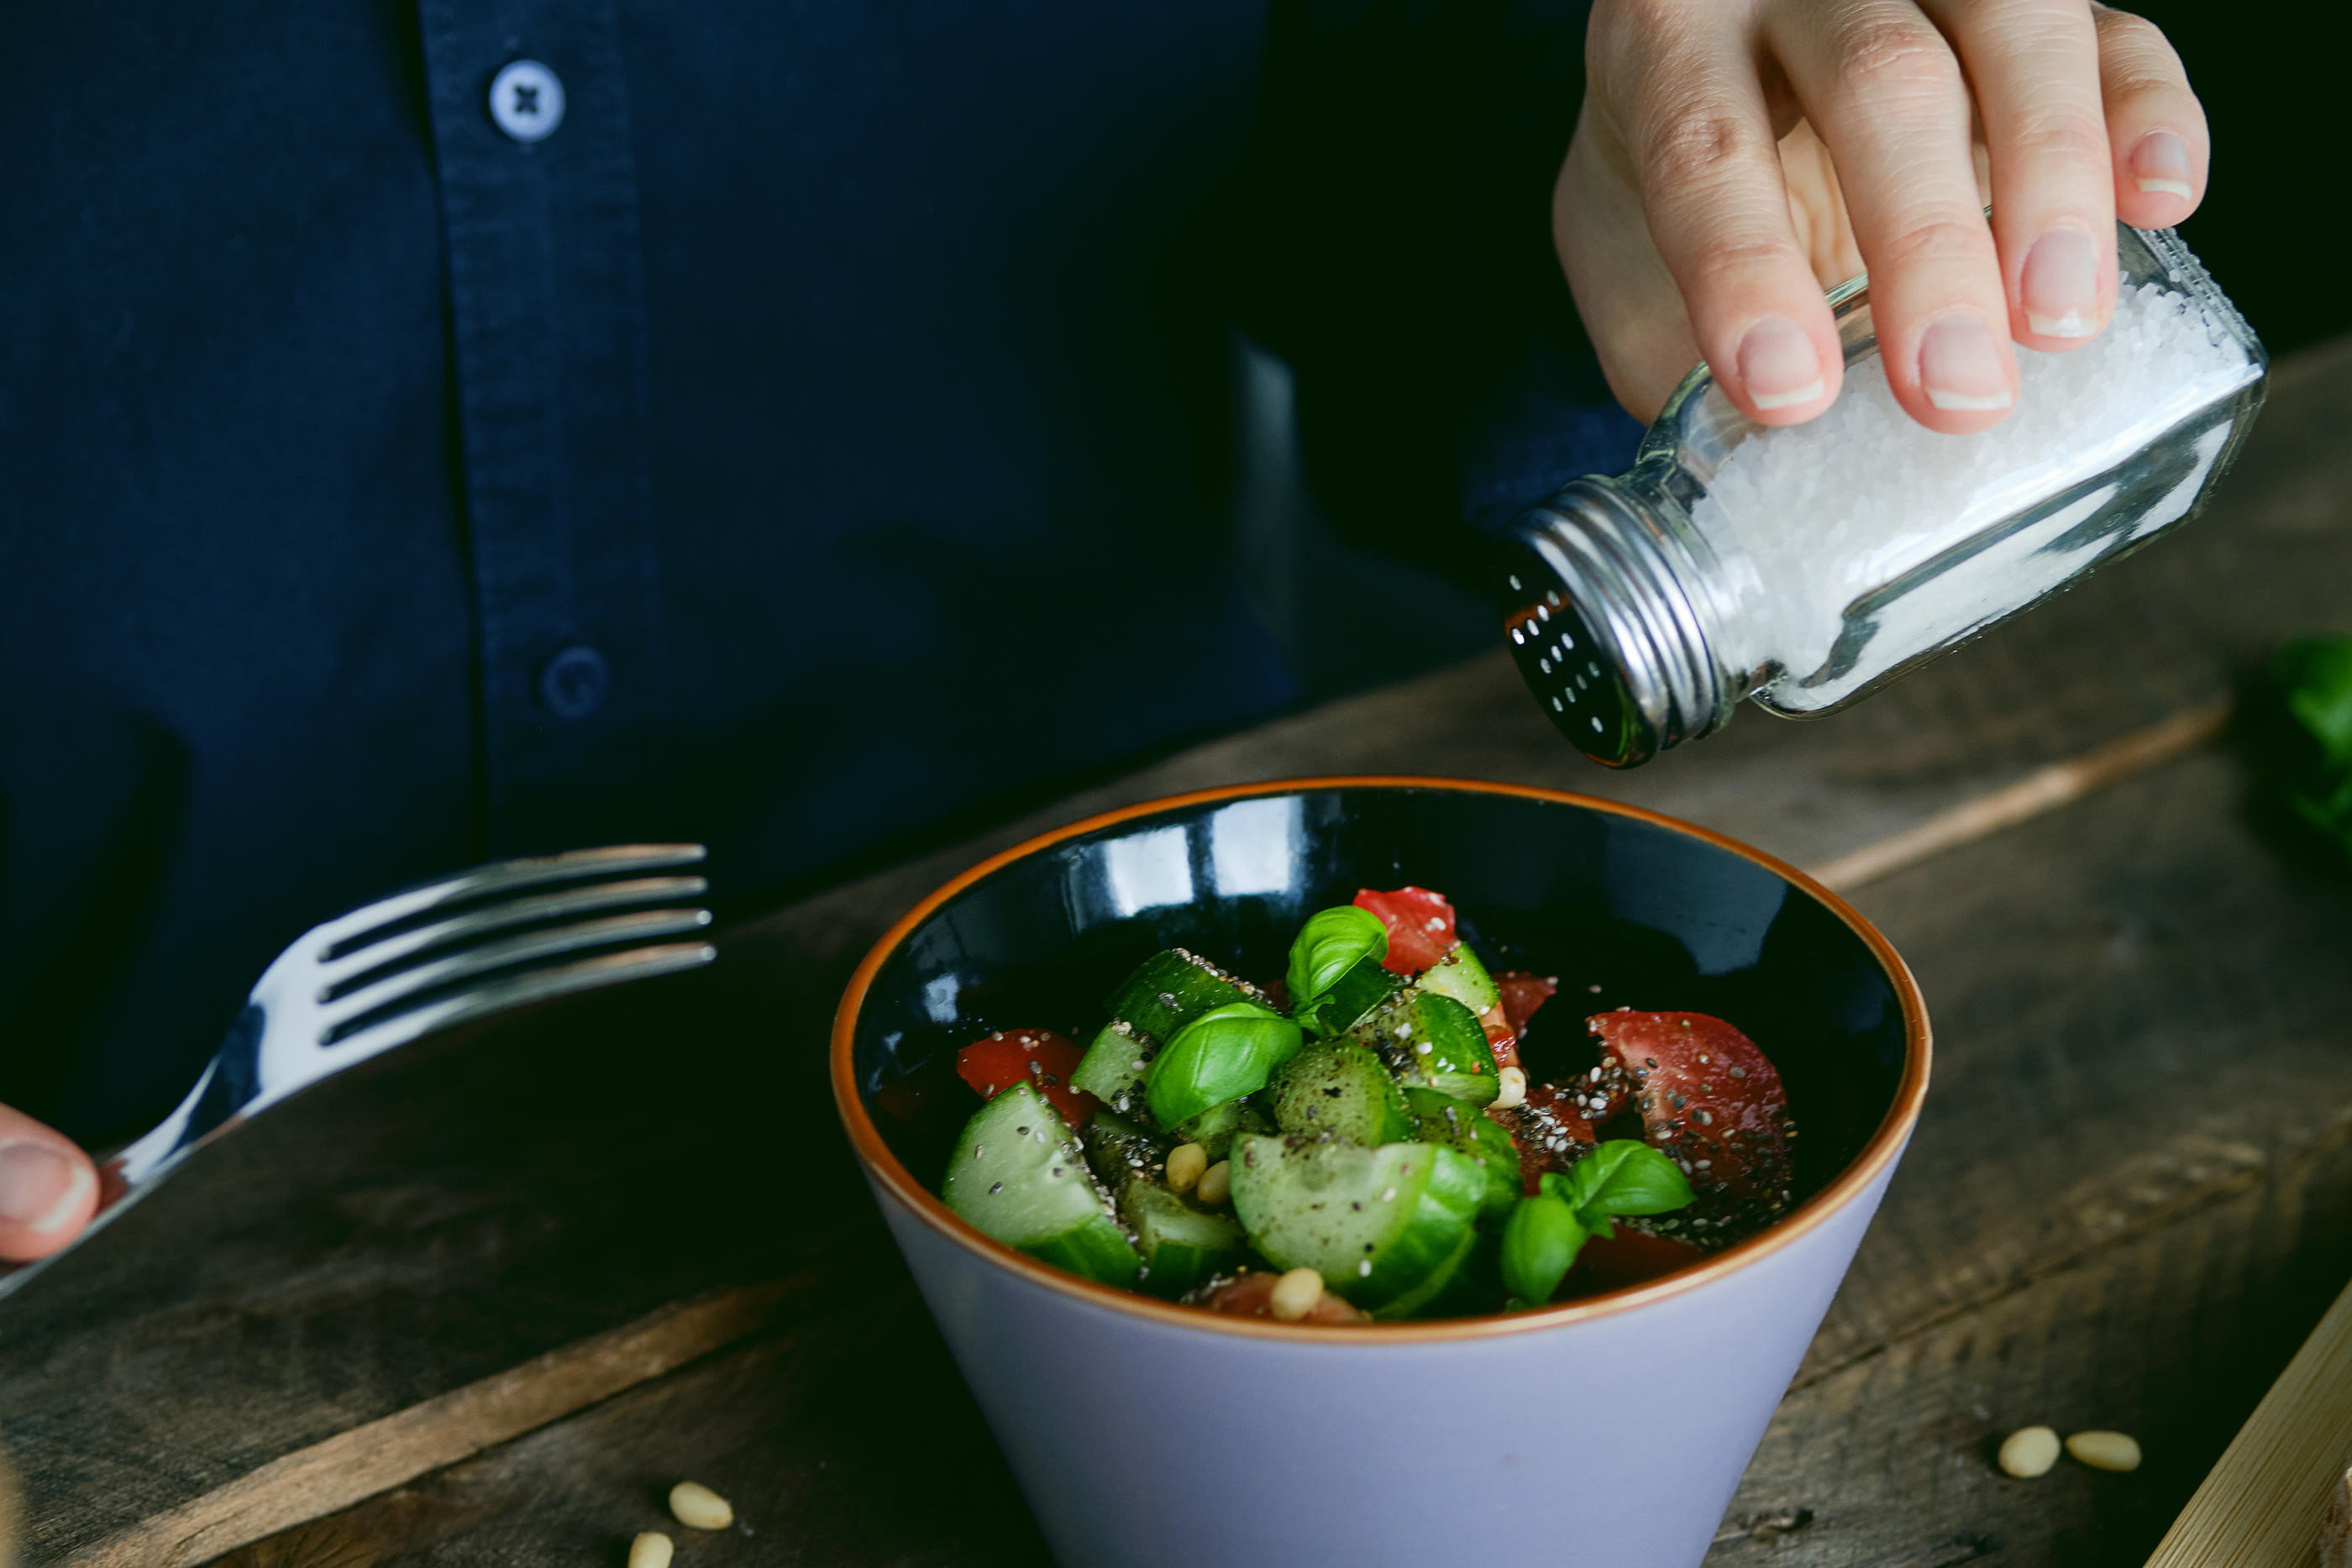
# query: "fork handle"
(229, 1084)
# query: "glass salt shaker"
(1806, 566)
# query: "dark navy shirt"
(819, 431)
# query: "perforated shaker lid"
(1602, 629)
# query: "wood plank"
(330, 1475)
(847, 1438)
(569, 1171)
(2171, 1335)
(2126, 1202)
(2137, 1005)
(2043, 791)
(379, 1455)
(2073, 1225)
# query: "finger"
(1817, 208)
(1700, 138)
(2034, 65)
(2156, 127)
(49, 1189)
(1883, 91)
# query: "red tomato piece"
(1251, 1295)
(1501, 1038)
(995, 1062)
(1713, 1104)
(1551, 1131)
(1419, 925)
(1628, 1256)
(920, 1094)
(1523, 994)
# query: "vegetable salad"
(1358, 1139)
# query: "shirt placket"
(539, 209)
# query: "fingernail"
(40, 1189)
(2061, 285)
(1959, 368)
(1778, 365)
(2159, 162)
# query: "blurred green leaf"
(2299, 735)
(2315, 675)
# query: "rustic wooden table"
(484, 1306)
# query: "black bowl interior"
(1623, 912)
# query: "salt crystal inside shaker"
(1806, 566)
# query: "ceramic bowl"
(1610, 1429)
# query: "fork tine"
(514, 991)
(517, 910)
(504, 876)
(488, 958)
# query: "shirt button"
(573, 681)
(527, 100)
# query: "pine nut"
(1515, 1089)
(2104, 1450)
(1217, 1183)
(696, 1507)
(1296, 1293)
(1186, 1162)
(651, 1549)
(2029, 1451)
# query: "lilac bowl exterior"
(1611, 1429)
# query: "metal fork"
(422, 959)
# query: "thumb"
(49, 1189)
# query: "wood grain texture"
(2043, 791)
(2171, 1335)
(2047, 1252)
(437, 1220)
(783, 1426)
(326, 1477)
(2264, 1505)
(2130, 1197)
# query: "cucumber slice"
(1435, 1043)
(1183, 1246)
(1375, 1223)
(1461, 976)
(1458, 1124)
(1019, 1176)
(1117, 1149)
(1340, 1088)
(1367, 985)
(1099, 1249)
(1113, 1067)
(1170, 989)
(1214, 1129)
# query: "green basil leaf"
(1327, 946)
(1540, 1242)
(2315, 674)
(1223, 1054)
(1623, 1175)
(2296, 730)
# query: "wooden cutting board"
(2262, 1505)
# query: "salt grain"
(1808, 520)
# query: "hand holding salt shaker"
(1805, 565)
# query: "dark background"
(2276, 79)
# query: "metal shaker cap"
(1604, 628)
